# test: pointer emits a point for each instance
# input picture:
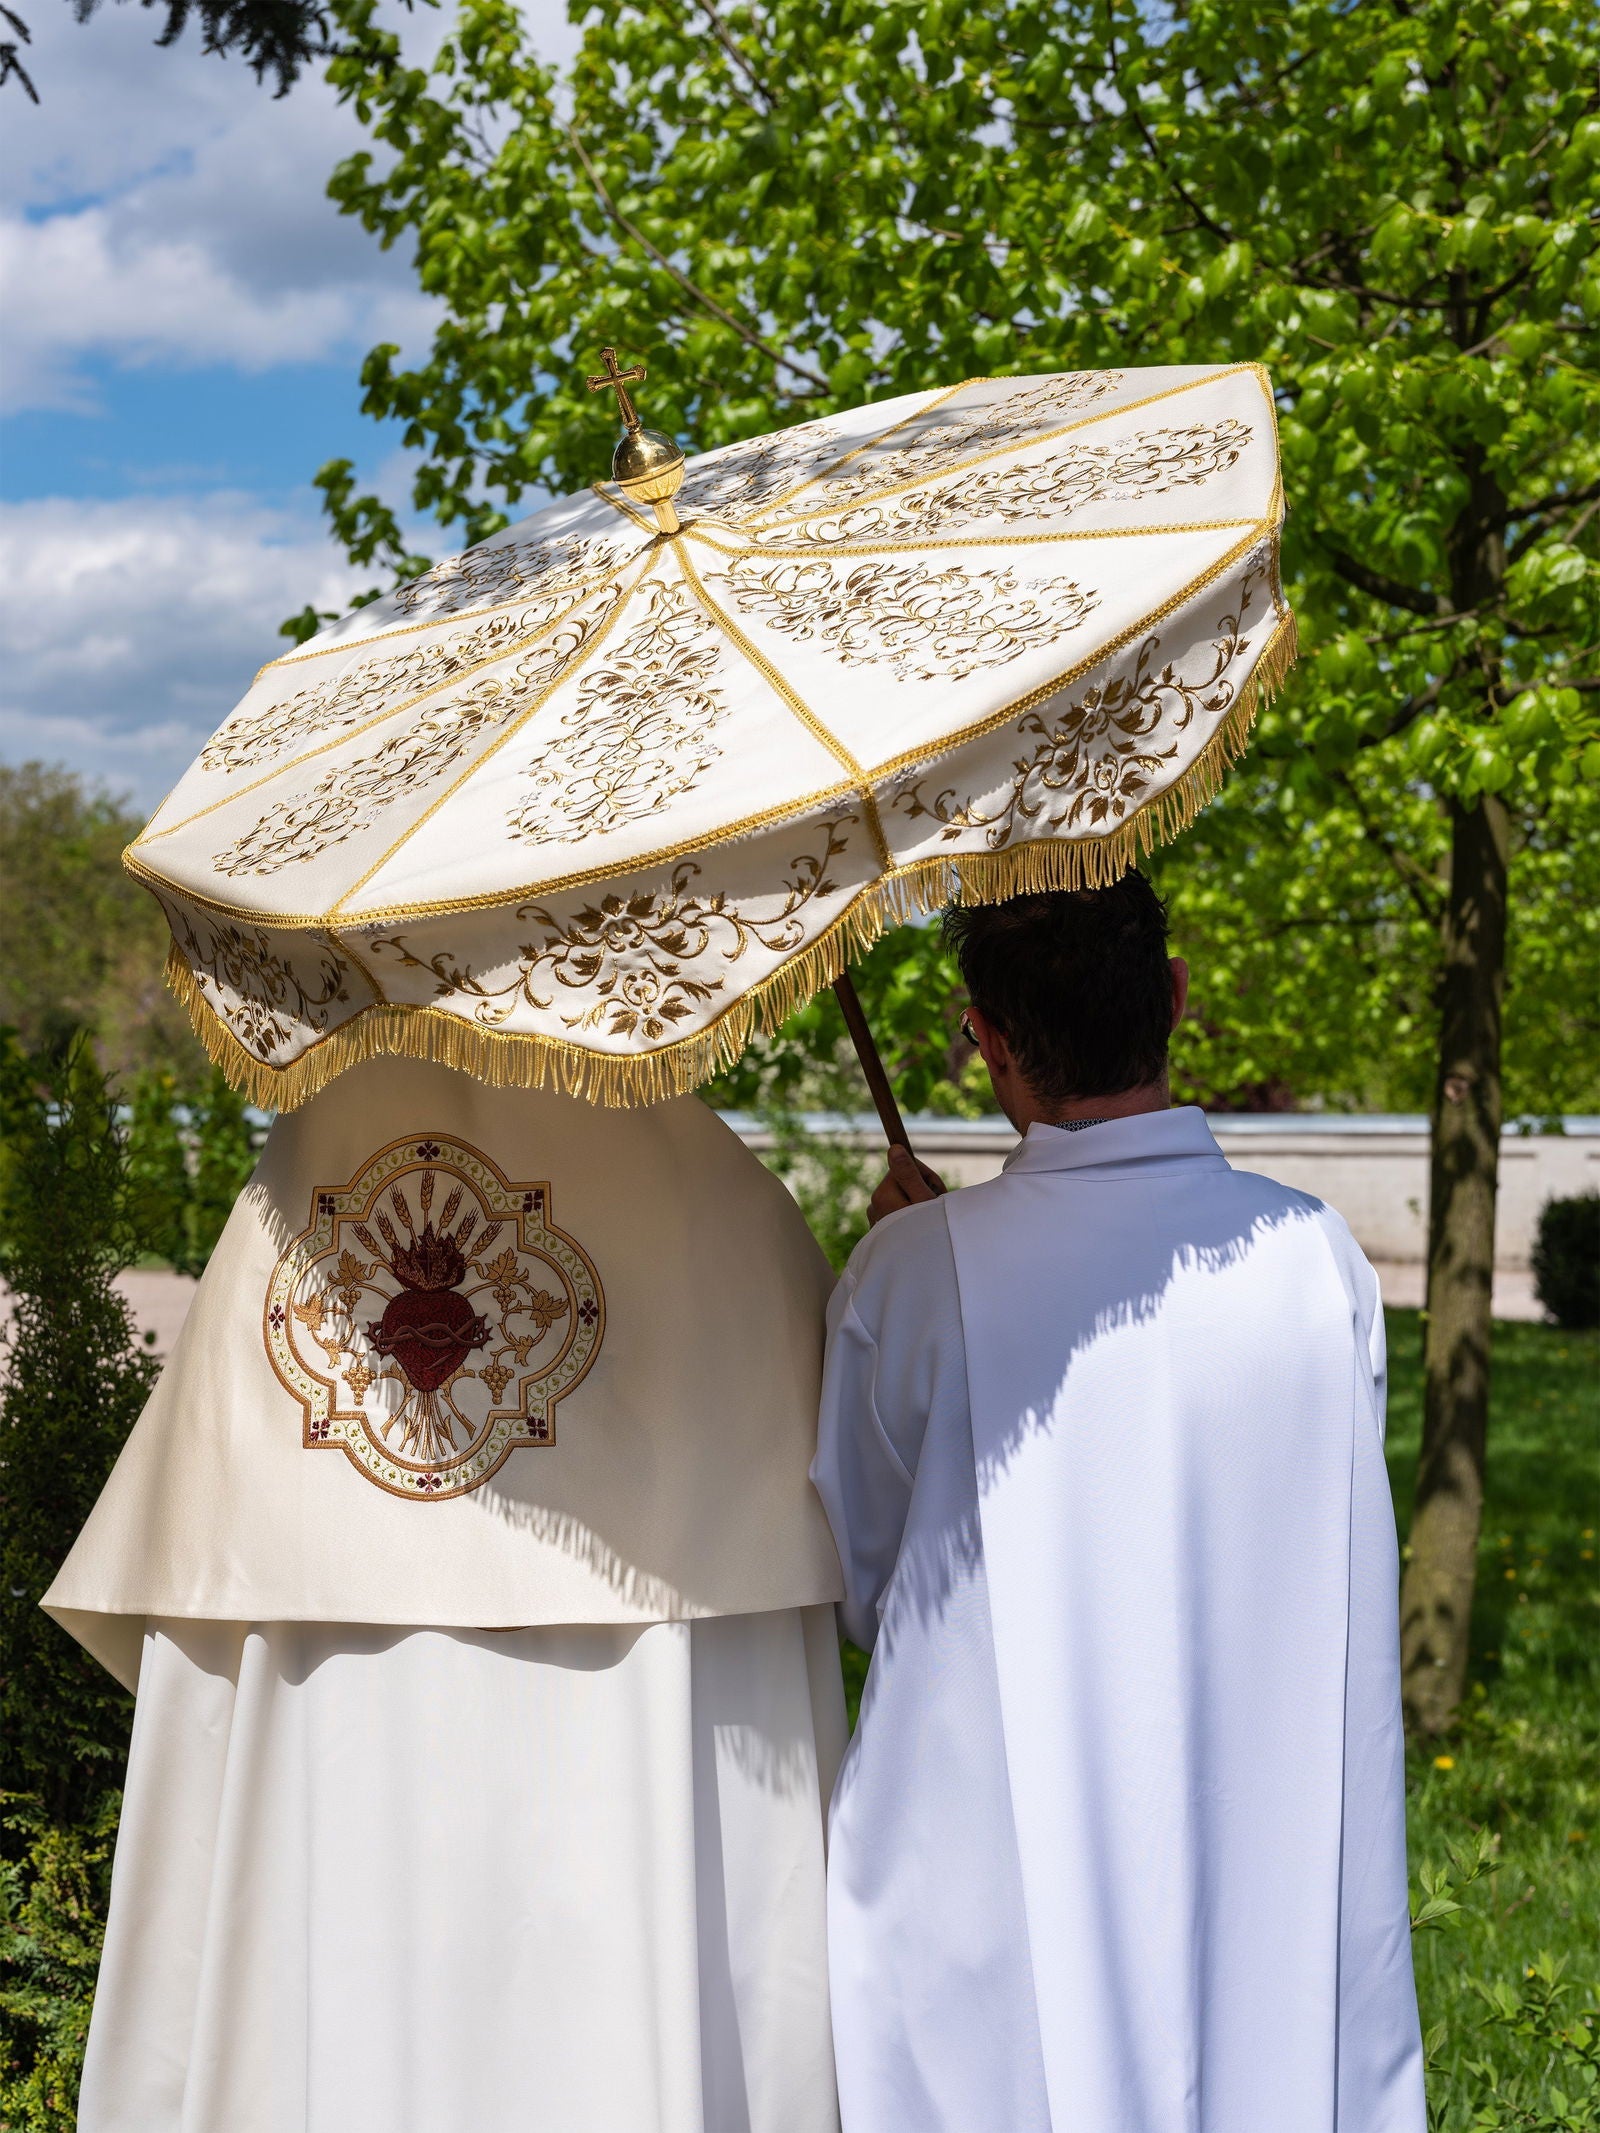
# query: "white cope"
(1119, 1844)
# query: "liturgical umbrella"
(594, 801)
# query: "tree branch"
(747, 334)
(724, 37)
(1131, 106)
(1392, 591)
(1557, 500)
(1415, 879)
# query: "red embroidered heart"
(430, 1333)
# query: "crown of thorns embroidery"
(428, 1328)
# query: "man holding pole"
(1119, 1844)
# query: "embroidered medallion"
(431, 1316)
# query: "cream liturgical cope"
(1118, 1846)
(479, 1607)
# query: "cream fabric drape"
(612, 1423)
(447, 1881)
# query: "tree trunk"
(1436, 1596)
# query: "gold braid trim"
(528, 1060)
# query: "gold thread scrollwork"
(924, 622)
(351, 796)
(268, 732)
(1040, 491)
(737, 482)
(557, 565)
(270, 1002)
(935, 443)
(639, 733)
(635, 962)
(1094, 759)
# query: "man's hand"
(907, 1182)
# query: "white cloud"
(133, 626)
(162, 205)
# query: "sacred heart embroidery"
(430, 1316)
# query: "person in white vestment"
(1118, 1846)
(480, 1611)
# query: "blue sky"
(184, 317)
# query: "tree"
(792, 206)
(85, 947)
(276, 37)
(74, 1383)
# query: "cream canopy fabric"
(586, 802)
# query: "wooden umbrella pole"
(855, 1021)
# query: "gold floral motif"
(271, 731)
(950, 434)
(634, 955)
(639, 733)
(350, 797)
(267, 1001)
(925, 623)
(1092, 762)
(738, 481)
(1041, 490)
(558, 565)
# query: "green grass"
(1505, 1813)
(1522, 1767)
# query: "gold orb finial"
(646, 466)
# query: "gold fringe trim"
(528, 1060)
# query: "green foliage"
(85, 944)
(1566, 1260)
(55, 1884)
(187, 1164)
(788, 208)
(1508, 1981)
(74, 1384)
(74, 1381)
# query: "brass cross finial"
(616, 380)
(646, 466)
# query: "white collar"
(1138, 1143)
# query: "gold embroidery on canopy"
(1152, 463)
(541, 697)
(770, 519)
(1092, 760)
(351, 796)
(630, 954)
(429, 1341)
(639, 733)
(882, 772)
(925, 624)
(533, 1059)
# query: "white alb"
(1119, 1844)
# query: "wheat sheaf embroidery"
(430, 1317)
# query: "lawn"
(1505, 1813)
(1522, 1768)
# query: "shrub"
(74, 1382)
(1566, 1260)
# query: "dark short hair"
(1076, 980)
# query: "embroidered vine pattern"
(363, 692)
(351, 796)
(636, 963)
(267, 1001)
(925, 622)
(447, 1338)
(739, 480)
(555, 566)
(1093, 759)
(639, 733)
(933, 443)
(1153, 464)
